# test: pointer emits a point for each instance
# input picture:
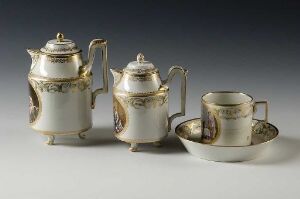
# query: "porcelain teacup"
(227, 118)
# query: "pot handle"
(266, 103)
(98, 43)
(183, 73)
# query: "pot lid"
(60, 46)
(140, 65)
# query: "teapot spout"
(34, 54)
(117, 74)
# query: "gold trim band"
(152, 101)
(143, 77)
(59, 55)
(140, 72)
(162, 90)
(61, 86)
(233, 92)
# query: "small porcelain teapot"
(60, 87)
(140, 102)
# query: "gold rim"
(162, 90)
(218, 104)
(146, 73)
(60, 55)
(251, 145)
(141, 72)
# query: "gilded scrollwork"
(61, 60)
(263, 131)
(141, 71)
(234, 112)
(61, 87)
(162, 90)
(145, 102)
(141, 77)
(58, 50)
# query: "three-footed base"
(51, 138)
(134, 146)
(51, 135)
(135, 142)
(82, 135)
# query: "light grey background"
(246, 46)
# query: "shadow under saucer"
(283, 149)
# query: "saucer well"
(189, 132)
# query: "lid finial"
(140, 58)
(60, 37)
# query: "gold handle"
(266, 108)
(183, 73)
(98, 43)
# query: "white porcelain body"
(141, 119)
(133, 84)
(48, 66)
(60, 87)
(188, 132)
(140, 102)
(59, 116)
(227, 119)
(62, 113)
(64, 99)
(221, 154)
(140, 108)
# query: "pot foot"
(50, 140)
(82, 135)
(133, 147)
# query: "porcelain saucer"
(189, 132)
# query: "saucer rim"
(209, 145)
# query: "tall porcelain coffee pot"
(140, 102)
(60, 87)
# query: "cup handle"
(266, 103)
(97, 43)
(183, 73)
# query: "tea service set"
(61, 100)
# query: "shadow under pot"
(140, 102)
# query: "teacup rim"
(219, 104)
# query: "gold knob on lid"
(140, 58)
(60, 37)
